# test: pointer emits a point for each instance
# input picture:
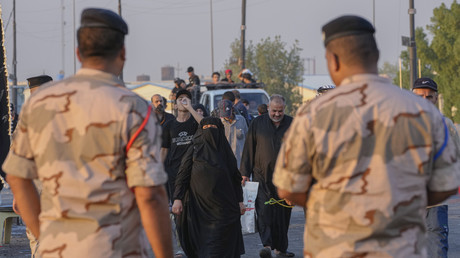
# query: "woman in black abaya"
(208, 197)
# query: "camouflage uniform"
(72, 136)
(371, 147)
(453, 133)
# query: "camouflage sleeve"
(453, 133)
(446, 163)
(293, 169)
(20, 160)
(143, 162)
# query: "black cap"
(38, 81)
(182, 92)
(346, 26)
(189, 69)
(103, 18)
(425, 83)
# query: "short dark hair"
(237, 94)
(99, 42)
(245, 101)
(229, 95)
(262, 109)
(356, 49)
(215, 73)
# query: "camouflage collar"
(98, 74)
(365, 77)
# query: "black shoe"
(265, 253)
(286, 254)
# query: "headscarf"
(200, 106)
(211, 145)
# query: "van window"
(206, 102)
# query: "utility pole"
(412, 46)
(179, 69)
(119, 13)
(373, 14)
(243, 31)
(212, 40)
(14, 90)
(74, 49)
(62, 40)
(313, 60)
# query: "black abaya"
(258, 160)
(209, 185)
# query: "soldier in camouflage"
(73, 136)
(379, 155)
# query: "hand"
(187, 103)
(242, 208)
(245, 179)
(288, 202)
(177, 207)
(15, 207)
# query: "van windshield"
(254, 99)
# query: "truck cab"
(255, 97)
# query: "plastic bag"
(248, 220)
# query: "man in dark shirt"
(238, 105)
(193, 78)
(246, 77)
(194, 85)
(260, 151)
(177, 136)
(228, 76)
(160, 106)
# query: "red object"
(130, 142)
(128, 146)
(228, 71)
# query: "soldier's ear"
(335, 62)
(77, 51)
(123, 53)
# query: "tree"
(281, 69)
(389, 70)
(445, 55)
(423, 51)
(441, 58)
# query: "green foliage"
(389, 70)
(281, 69)
(423, 51)
(445, 55)
(441, 59)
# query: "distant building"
(143, 78)
(167, 73)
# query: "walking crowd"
(97, 171)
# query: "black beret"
(38, 80)
(189, 69)
(346, 26)
(425, 83)
(103, 18)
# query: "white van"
(255, 97)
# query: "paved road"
(19, 243)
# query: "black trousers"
(273, 223)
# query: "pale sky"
(177, 32)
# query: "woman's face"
(200, 111)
